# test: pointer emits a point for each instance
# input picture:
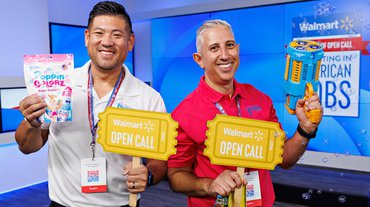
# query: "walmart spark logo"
(347, 24)
(258, 135)
(148, 126)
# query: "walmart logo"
(324, 26)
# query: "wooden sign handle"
(238, 193)
(133, 196)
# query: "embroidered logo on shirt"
(124, 106)
(252, 109)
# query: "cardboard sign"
(241, 142)
(137, 133)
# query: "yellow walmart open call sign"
(235, 141)
(137, 133)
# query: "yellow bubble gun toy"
(301, 76)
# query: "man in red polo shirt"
(190, 171)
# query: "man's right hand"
(32, 107)
(225, 183)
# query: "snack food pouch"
(49, 75)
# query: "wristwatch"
(306, 135)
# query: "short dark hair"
(109, 8)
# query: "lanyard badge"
(93, 175)
(253, 189)
(93, 171)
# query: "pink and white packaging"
(49, 75)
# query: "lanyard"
(222, 110)
(93, 125)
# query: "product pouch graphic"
(49, 75)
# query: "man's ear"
(198, 59)
(86, 37)
(131, 41)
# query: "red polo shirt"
(194, 112)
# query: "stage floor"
(298, 187)
(316, 186)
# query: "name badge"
(253, 189)
(93, 175)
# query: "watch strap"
(305, 134)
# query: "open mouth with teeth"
(106, 53)
(225, 66)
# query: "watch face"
(150, 178)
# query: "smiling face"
(108, 41)
(218, 55)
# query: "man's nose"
(107, 40)
(224, 53)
